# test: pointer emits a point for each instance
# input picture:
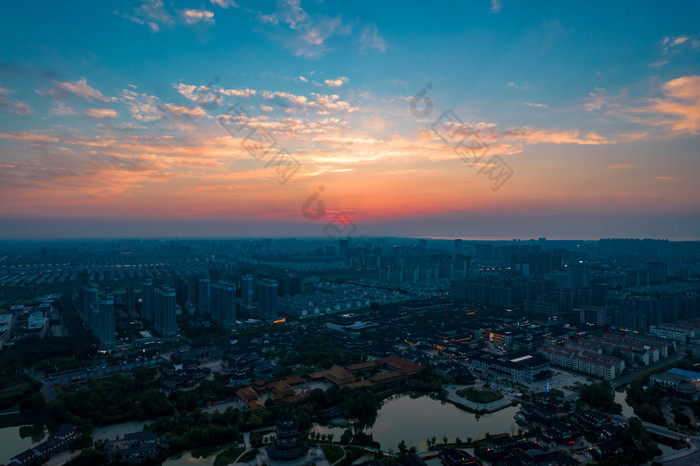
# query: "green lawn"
(250, 456)
(479, 396)
(228, 456)
(333, 453)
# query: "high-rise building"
(88, 300)
(593, 315)
(483, 251)
(104, 322)
(147, 300)
(84, 278)
(296, 285)
(460, 267)
(247, 290)
(204, 295)
(579, 274)
(267, 299)
(130, 298)
(500, 296)
(599, 293)
(165, 312)
(658, 272)
(181, 290)
(343, 246)
(223, 304)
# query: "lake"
(414, 420)
(12, 443)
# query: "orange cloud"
(678, 112)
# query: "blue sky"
(113, 110)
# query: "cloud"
(669, 178)
(536, 105)
(62, 110)
(310, 41)
(210, 95)
(101, 113)
(198, 16)
(61, 90)
(13, 106)
(332, 102)
(143, 107)
(337, 82)
(303, 79)
(675, 44)
(238, 92)
(151, 13)
(155, 15)
(31, 136)
(286, 99)
(618, 166)
(678, 112)
(659, 64)
(183, 111)
(290, 12)
(514, 85)
(546, 136)
(598, 99)
(371, 40)
(496, 6)
(225, 3)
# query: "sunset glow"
(116, 118)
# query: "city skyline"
(220, 118)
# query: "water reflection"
(415, 420)
(620, 398)
(12, 442)
(36, 432)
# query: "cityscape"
(315, 232)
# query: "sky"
(475, 119)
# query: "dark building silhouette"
(287, 446)
(147, 300)
(165, 312)
(204, 295)
(267, 299)
(223, 304)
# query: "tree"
(255, 421)
(444, 439)
(681, 418)
(304, 421)
(402, 448)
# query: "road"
(625, 379)
(657, 429)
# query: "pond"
(112, 431)
(14, 440)
(627, 410)
(415, 420)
